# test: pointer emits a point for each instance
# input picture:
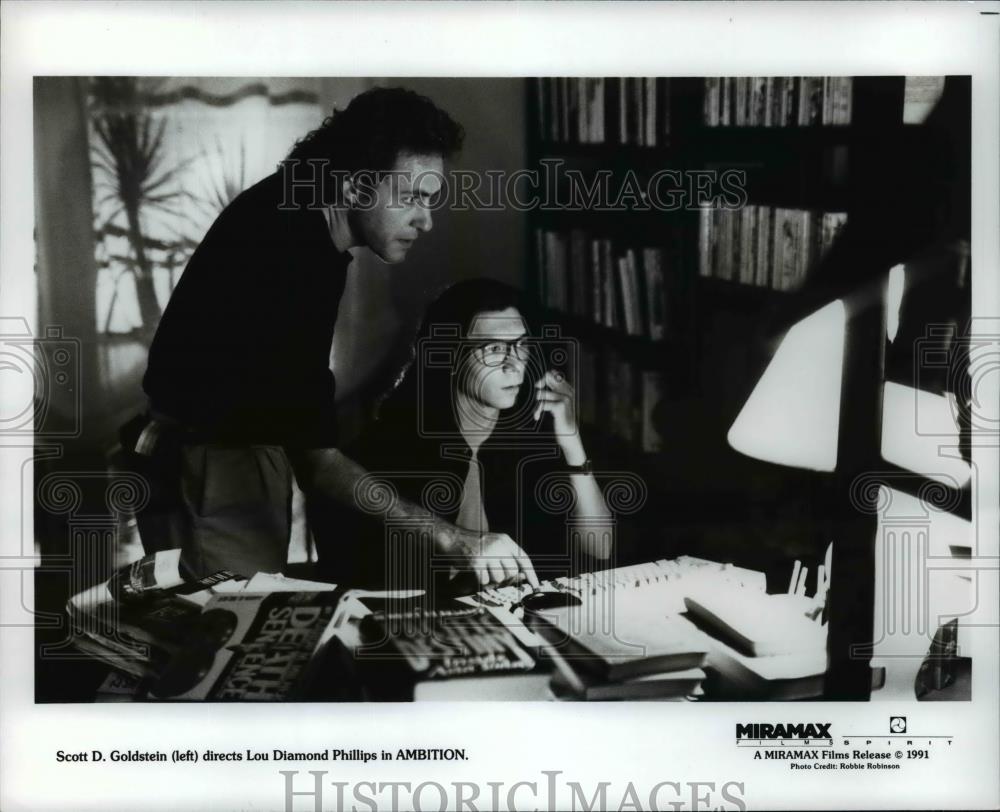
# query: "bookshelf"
(722, 317)
(807, 169)
(590, 266)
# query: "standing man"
(239, 379)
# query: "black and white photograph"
(607, 360)
(653, 407)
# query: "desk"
(732, 675)
(637, 598)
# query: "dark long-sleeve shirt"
(242, 353)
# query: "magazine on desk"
(748, 252)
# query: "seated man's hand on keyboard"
(495, 558)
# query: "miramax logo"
(783, 730)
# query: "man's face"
(389, 217)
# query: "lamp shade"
(792, 417)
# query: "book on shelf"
(832, 224)
(764, 241)
(653, 392)
(706, 264)
(599, 116)
(759, 101)
(620, 380)
(634, 111)
(628, 287)
(608, 287)
(656, 293)
(650, 113)
(542, 107)
(664, 120)
(598, 110)
(626, 415)
(555, 112)
(621, 108)
(554, 271)
(586, 385)
(777, 101)
(583, 110)
(567, 108)
(578, 267)
(748, 258)
(788, 249)
(836, 100)
(764, 246)
(810, 100)
(622, 287)
(740, 109)
(596, 285)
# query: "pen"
(562, 666)
(800, 588)
(795, 577)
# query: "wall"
(66, 271)
(383, 304)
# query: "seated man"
(462, 434)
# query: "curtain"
(167, 155)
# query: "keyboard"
(658, 586)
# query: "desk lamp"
(913, 485)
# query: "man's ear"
(359, 190)
(349, 193)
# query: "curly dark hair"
(378, 126)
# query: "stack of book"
(761, 646)
(216, 638)
(780, 101)
(659, 659)
(141, 616)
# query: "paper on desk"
(276, 582)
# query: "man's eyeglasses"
(496, 352)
